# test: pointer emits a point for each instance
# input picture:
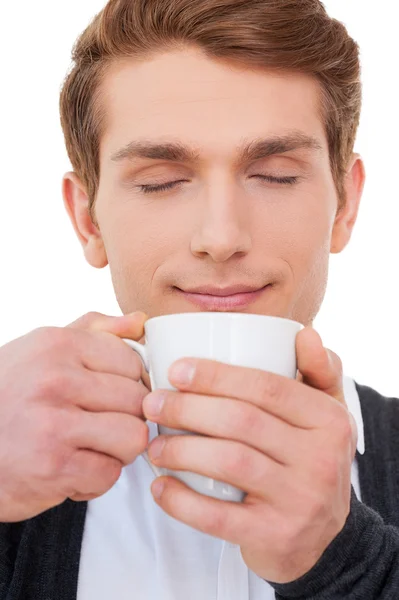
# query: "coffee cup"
(241, 339)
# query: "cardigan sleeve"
(40, 557)
(361, 563)
(10, 534)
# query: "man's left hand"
(289, 444)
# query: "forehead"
(209, 103)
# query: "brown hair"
(289, 35)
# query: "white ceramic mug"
(245, 340)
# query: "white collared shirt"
(133, 550)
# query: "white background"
(45, 279)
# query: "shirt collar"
(353, 403)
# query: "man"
(212, 147)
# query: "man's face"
(226, 226)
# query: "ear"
(76, 203)
(346, 216)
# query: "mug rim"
(223, 315)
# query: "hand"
(288, 444)
(70, 413)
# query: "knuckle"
(90, 319)
(136, 368)
(52, 429)
(111, 472)
(133, 440)
(44, 332)
(90, 316)
(141, 436)
(215, 523)
(49, 468)
(52, 449)
(238, 461)
(51, 338)
(45, 469)
(94, 477)
(51, 455)
(87, 320)
(52, 384)
(135, 399)
(244, 418)
(267, 385)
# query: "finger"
(120, 436)
(103, 352)
(285, 398)
(222, 460)
(320, 368)
(227, 419)
(90, 474)
(229, 521)
(129, 326)
(103, 392)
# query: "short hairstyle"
(285, 35)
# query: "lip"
(217, 299)
(227, 291)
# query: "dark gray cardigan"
(39, 558)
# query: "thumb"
(319, 367)
(129, 326)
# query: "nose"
(223, 228)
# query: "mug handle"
(143, 353)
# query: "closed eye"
(162, 187)
(288, 180)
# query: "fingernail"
(182, 372)
(157, 488)
(153, 403)
(156, 447)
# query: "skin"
(224, 225)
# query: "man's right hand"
(70, 412)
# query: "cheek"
(139, 240)
(138, 231)
(310, 245)
(140, 248)
(306, 250)
(300, 235)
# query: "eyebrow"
(254, 150)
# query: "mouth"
(227, 299)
